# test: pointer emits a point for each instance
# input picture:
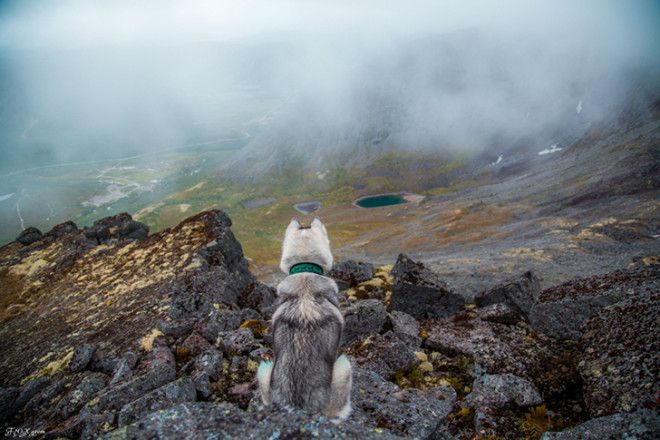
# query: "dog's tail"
(339, 407)
(263, 377)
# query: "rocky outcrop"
(561, 311)
(420, 292)
(160, 337)
(619, 364)
(70, 291)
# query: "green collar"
(306, 267)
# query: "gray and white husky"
(306, 371)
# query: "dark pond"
(307, 207)
(380, 200)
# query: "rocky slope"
(109, 332)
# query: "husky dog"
(307, 326)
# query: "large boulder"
(420, 292)
(643, 424)
(363, 319)
(621, 354)
(519, 293)
(350, 273)
(29, 236)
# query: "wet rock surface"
(160, 337)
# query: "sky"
(92, 79)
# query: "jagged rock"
(44, 398)
(8, 398)
(498, 349)
(102, 362)
(420, 292)
(221, 321)
(30, 389)
(116, 227)
(202, 383)
(621, 354)
(401, 322)
(176, 327)
(643, 424)
(500, 313)
(561, 311)
(122, 373)
(249, 315)
(519, 293)
(81, 358)
(207, 420)
(258, 296)
(174, 393)
(77, 398)
(210, 362)
(350, 273)
(92, 426)
(384, 354)
(410, 412)
(160, 370)
(362, 319)
(502, 391)
(59, 231)
(239, 341)
(193, 345)
(29, 236)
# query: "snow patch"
(553, 149)
(578, 109)
(499, 159)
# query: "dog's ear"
(293, 226)
(317, 225)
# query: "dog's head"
(306, 245)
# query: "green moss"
(537, 421)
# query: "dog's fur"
(307, 326)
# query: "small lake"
(381, 200)
(307, 207)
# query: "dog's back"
(307, 327)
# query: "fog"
(91, 80)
